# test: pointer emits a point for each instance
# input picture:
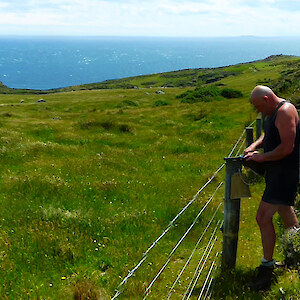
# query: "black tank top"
(272, 140)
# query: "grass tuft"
(159, 103)
(86, 290)
(7, 114)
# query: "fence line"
(208, 277)
(119, 289)
(147, 292)
(192, 254)
(236, 144)
(208, 249)
(240, 138)
(184, 209)
(240, 149)
(212, 283)
(197, 273)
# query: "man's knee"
(264, 215)
(263, 219)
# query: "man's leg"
(264, 218)
(288, 216)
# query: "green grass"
(90, 179)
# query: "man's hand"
(249, 149)
(255, 156)
(256, 145)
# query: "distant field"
(91, 175)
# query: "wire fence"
(120, 289)
(195, 275)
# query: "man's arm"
(286, 122)
(256, 145)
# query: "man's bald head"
(264, 99)
(260, 92)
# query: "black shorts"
(281, 185)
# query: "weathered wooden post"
(231, 215)
(258, 126)
(249, 136)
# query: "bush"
(107, 125)
(90, 124)
(200, 94)
(291, 247)
(200, 115)
(6, 114)
(231, 93)
(124, 86)
(124, 128)
(125, 103)
(160, 103)
(85, 289)
(148, 83)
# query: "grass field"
(91, 177)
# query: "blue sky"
(150, 18)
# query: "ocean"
(53, 62)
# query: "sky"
(173, 18)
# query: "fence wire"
(201, 264)
(207, 287)
(212, 281)
(236, 144)
(147, 292)
(243, 146)
(192, 254)
(208, 278)
(120, 288)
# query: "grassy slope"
(90, 180)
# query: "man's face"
(260, 105)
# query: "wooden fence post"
(231, 216)
(249, 136)
(258, 126)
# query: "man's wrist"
(263, 157)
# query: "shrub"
(85, 289)
(231, 93)
(124, 86)
(200, 94)
(285, 86)
(148, 83)
(160, 103)
(107, 125)
(214, 79)
(89, 124)
(93, 124)
(124, 128)
(291, 247)
(199, 115)
(6, 114)
(125, 103)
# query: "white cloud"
(152, 17)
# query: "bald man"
(280, 142)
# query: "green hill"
(283, 78)
(92, 174)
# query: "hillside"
(91, 175)
(284, 81)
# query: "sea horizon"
(47, 62)
(146, 36)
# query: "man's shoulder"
(287, 110)
(287, 117)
